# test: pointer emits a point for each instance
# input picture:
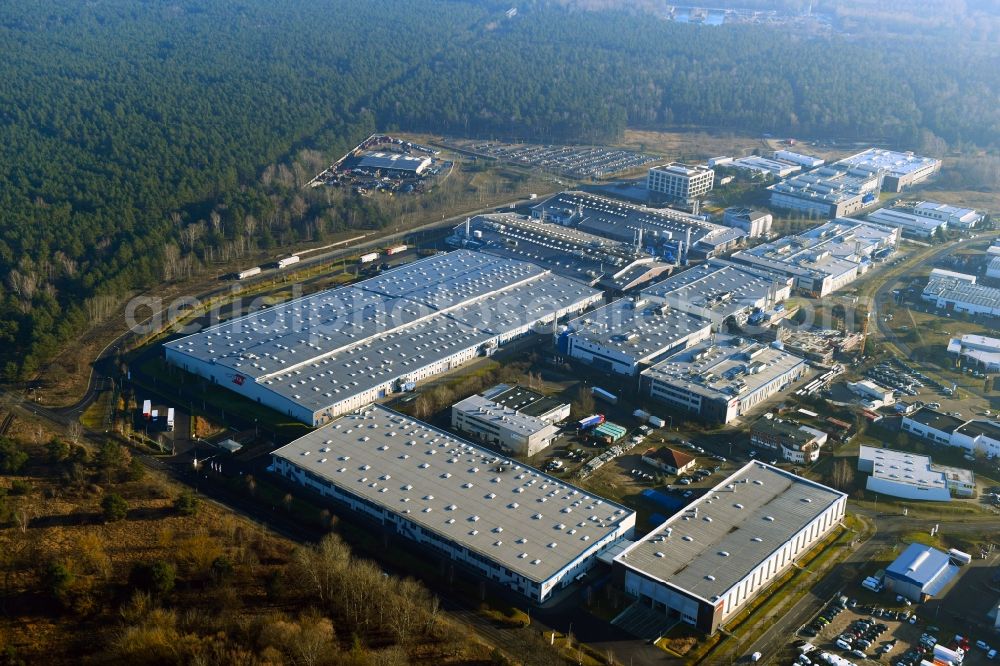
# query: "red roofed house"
(668, 460)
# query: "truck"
(606, 396)
(960, 557)
(288, 261)
(368, 258)
(641, 415)
(249, 272)
(590, 422)
(154, 416)
(872, 583)
(656, 422)
(147, 409)
(170, 419)
(948, 655)
(396, 249)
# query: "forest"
(135, 137)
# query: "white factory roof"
(808, 161)
(889, 161)
(506, 418)
(719, 286)
(531, 523)
(898, 218)
(564, 250)
(380, 160)
(636, 326)
(964, 214)
(724, 366)
(721, 537)
(977, 347)
(833, 248)
(618, 220)
(828, 184)
(326, 347)
(953, 289)
(764, 165)
(902, 467)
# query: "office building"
(899, 170)
(488, 422)
(332, 352)
(628, 334)
(870, 391)
(721, 291)
(680, 182)
(960, 295)
(932, 425)
(954, 216)
(755, 223)
(511, 524)
(708, 561)
(526, 401)
(826, 258)
(978, 437)
(919, 573)
(671, 234)
(793, 441)
(805, 161)
(670, 460)
(908, 223)
(722, 378)
(913, 476)
(829, 191)
(979, 351)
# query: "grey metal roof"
(722, 287)
(830, 184)
(960, 291)
(326, 347)
(503, 417)
(522, 399)
(721, 537)
(724, 367)
(636, 327)
(527, 521)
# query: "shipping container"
(250, 272)
(656, 422)
(397, 249)
(368, 258)
(288, 261)
(598, 392)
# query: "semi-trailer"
(590, 422)
(147, 409)
(288, 261)
(607, 396)
(170, 419)
(250, 272)
(368, 258)
(396, 249)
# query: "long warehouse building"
(330, 353)
(710, 560)
(512, 524)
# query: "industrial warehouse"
(908, 223)
(826, 258)
(530, 532)
(519, 433)
(913, 476)
(628, 333)
(721, 378)
(835, 190)
(330, 353)
(962, 295)
(898, 170)
(709, 560)
(597, 261)
(719, 291)
(672, 234)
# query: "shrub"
(114, 507)
(186, 503)
(157, 578)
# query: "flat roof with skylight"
(529, 522)
(721, 537)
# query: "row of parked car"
(861, 635)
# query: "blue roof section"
(919, 564)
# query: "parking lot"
(879, 627)
(571, 161)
